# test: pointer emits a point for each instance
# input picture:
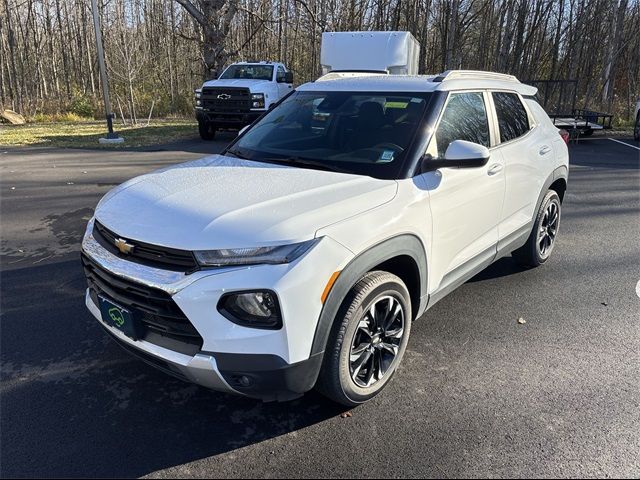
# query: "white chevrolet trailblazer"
(300, 256)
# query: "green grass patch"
(86, 134)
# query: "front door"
(465, 202)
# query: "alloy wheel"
(376, 341)
(548, 229)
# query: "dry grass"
(86, 134)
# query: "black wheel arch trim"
(560, 173)
(400, 245)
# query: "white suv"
(301, 255)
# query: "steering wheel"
(390, 145)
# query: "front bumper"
(264, 377)
(228, 119)
(264, 364)
(201, 368)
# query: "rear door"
(525, 151)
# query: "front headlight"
(257, 100)
(198, 93)
(253, 256)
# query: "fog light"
(257, 309)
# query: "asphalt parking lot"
(478, 394)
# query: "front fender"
(401, 245)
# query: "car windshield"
(356, 132)
(248, 72)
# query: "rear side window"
(464, 118)
(512, 117)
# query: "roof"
(447, 81)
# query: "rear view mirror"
(288, 77)
(467, 154)
(460, 154)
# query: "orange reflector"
(330, 283)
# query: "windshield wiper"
(236, 154)
(303, 162)
(297, 161)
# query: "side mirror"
(243, 129)
(459, 154)
(288, 77)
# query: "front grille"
(162, 320)
(145, 253)
(234, 100)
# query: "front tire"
(206, 130)
(543, 235)
(368, 339)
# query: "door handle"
(495, 168)
(544, 149)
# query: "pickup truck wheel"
(368, 339)
(206, 130)
(543, 235)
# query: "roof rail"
(474, 74)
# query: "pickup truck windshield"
(356, 132)
(248, 72)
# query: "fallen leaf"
(522, 321)
(346, 415)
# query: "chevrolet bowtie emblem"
(224, 96)
(123, 246)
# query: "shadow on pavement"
(83, 407)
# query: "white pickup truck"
(243, 92)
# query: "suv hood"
(223, 202)
(255, 86)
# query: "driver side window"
(464, 118)
(280, 75)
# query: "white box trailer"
(385, 52)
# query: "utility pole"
(112, 137)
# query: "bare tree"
(158, 51)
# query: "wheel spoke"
(374, 318)
(545, 218)
(371, 371)
(395, 333)
(364, 358)
(359, 351)
(391, 348)
(364, 327)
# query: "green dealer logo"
(116, 316)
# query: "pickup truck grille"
(226, 100)
(145, 253)
(163, 322)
